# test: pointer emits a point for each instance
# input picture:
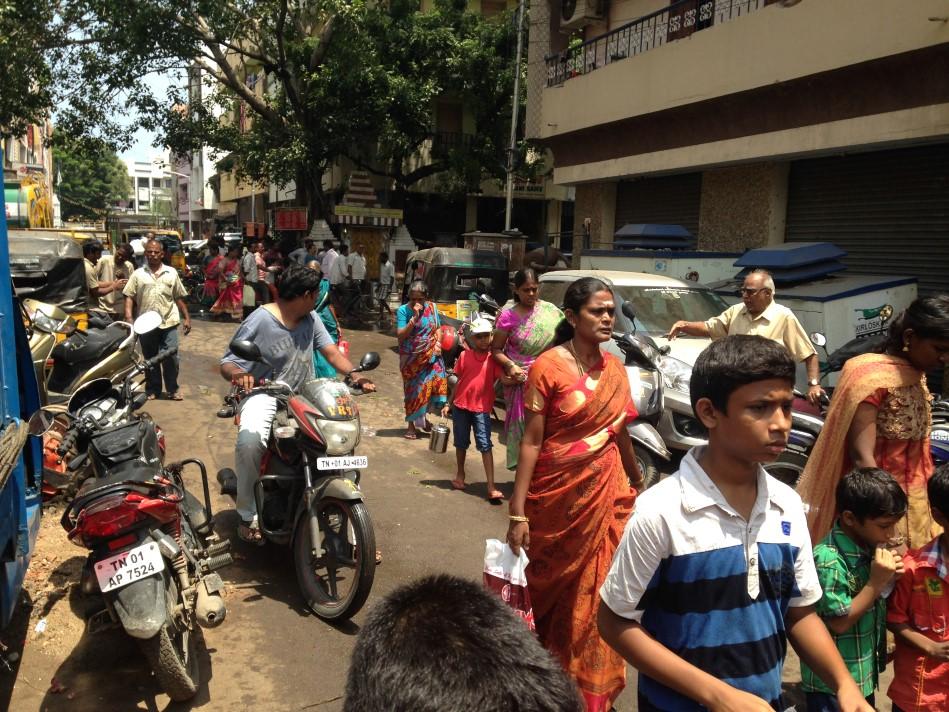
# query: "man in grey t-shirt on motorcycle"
(286, 332)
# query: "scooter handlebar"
(159, 357)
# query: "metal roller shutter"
(668, 200)
(888, 209)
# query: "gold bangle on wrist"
(518, 518)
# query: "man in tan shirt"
(157, 287)
(760, 315)
(115, 269)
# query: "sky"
(142, 149)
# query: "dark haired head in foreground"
(443, 644)
(736, 361)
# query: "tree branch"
(326, 34)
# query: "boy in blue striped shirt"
(714, 573)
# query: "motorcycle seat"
(90, 346)
(121, 481)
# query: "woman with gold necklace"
(571, 493)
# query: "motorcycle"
(153, 556)
(645, 382)
(307, 493)
(106, 350)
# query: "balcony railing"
(675, 22)
(444, 142)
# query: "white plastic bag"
(506, 575)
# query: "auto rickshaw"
(170, 240)
(456, 277)
(48, 267)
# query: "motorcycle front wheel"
(335, 576)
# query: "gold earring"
(905, 347)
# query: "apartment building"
(28, 179)
(753, 122)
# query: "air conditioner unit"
(579, 13)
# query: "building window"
(156, 182)
(142, 182)
(143, 206)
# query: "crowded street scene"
(475, 356)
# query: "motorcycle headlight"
(341, 436)
(676, 374)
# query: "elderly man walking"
(759, 315)
(157, 287)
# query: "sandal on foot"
(410, 435)
(176, 396)
(378, 557)
(495, 496)
(151, 396)
(458, 484)
(250, 533)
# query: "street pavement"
(270, 653)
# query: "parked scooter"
(308, 492)
(109, 351)
(645, 385)
(152, 551)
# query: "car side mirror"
(246, 350)
(818, 339)
(369, 361)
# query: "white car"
(658, 303)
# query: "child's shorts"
(464, 421)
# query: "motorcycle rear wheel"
(647, 466)
(788, 467)
(173, 657)
(336, 584)
(173, 654)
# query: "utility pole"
(515, 105)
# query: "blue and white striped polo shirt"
(710, 586)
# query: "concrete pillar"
(595, 206)
(743, 207)
(471, 213)
(554, 212)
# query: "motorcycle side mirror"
(41, 421)
(246, 350)
(369, 361)
(630, 313)
(818, 339)
(147, 321)
(139, 400)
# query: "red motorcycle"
(153, 554)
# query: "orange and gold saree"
(578, 503)
(899, 393)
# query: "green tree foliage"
(298, 85)
(91, 178)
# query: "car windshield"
(448, 284)
(658, 308)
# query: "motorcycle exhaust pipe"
(209, 608)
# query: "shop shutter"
(888, 209)
(668, 200)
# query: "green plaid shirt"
(843, 569)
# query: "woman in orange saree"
(880, 417)
(571, 493)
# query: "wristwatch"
(813, 382)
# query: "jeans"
(257, 414)
(464, 421)
(826, 702)
(152, 343)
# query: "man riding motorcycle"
(286, 331)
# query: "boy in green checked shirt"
(856, 575)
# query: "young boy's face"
(756, 425)
(872, 531)
(481, 342)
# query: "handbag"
(506, 575)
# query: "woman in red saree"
(230, 301)
(880, 417)
(571, 493)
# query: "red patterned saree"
(578, 503)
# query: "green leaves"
(91, 178)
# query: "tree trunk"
(310, 194)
